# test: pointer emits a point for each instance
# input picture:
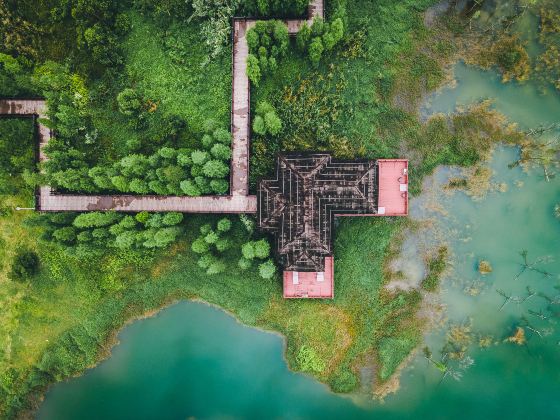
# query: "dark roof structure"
(299, 205)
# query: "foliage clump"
(309, 360)
(548, 62)
(484, 267)
(320, 38)
(268, 42)
(436, 267)
(275, 8)
(93, 233)
(257, 250)
(211, 244)
(509, 53)
(25, 264)
(266, 120)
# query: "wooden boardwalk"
(238, 202)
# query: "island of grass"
(133, 78)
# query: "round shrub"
(248, 250)
(224, 224)
(205, 229)
(172, 219)
(267, 269)
(206, 260)
(219, 186)
(244, 263)
(142, 217)
(223, 244)
(138, 186)
(273, 123)
(216, 267)
(221, 151)
(261, 248)
(184, 159)
(190, 188)
(207, 141)
(259, 126)
(199, 157)
(24, 265)
(215, 169)
(200, 246)
(66, 234)
(211, 237)
(129, 102)
(222, 135)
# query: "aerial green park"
(298, 209)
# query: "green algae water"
(193, 360)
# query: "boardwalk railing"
(239, 200)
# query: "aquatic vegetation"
(449, 368)
(548, 62)
(436, 267)
(540, 153)
(485, 341)
(511, 56)
(475, 288)
(514, 298)
(484, 267)
(518, 337)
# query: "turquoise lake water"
(192, 360)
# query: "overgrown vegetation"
(268, 42)
(495, 35)
(435, 267)
(17, 137)
(130, 90)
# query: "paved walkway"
(238, 202)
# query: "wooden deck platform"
(310, 284)
(393, 187)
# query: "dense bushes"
(84, 33)
(436, 266)
(168, 171)
(266, 120)
(16, 153)
(15, 76)
(309, 361)
(211, 244)
(94, 232)
(548, 62)
(257, 250)
(275, 8)
(268, 42)
(319, 38)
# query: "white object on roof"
(403, 187)
(320, 276)
(405, 171)
(381, 210)
(295, 277)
